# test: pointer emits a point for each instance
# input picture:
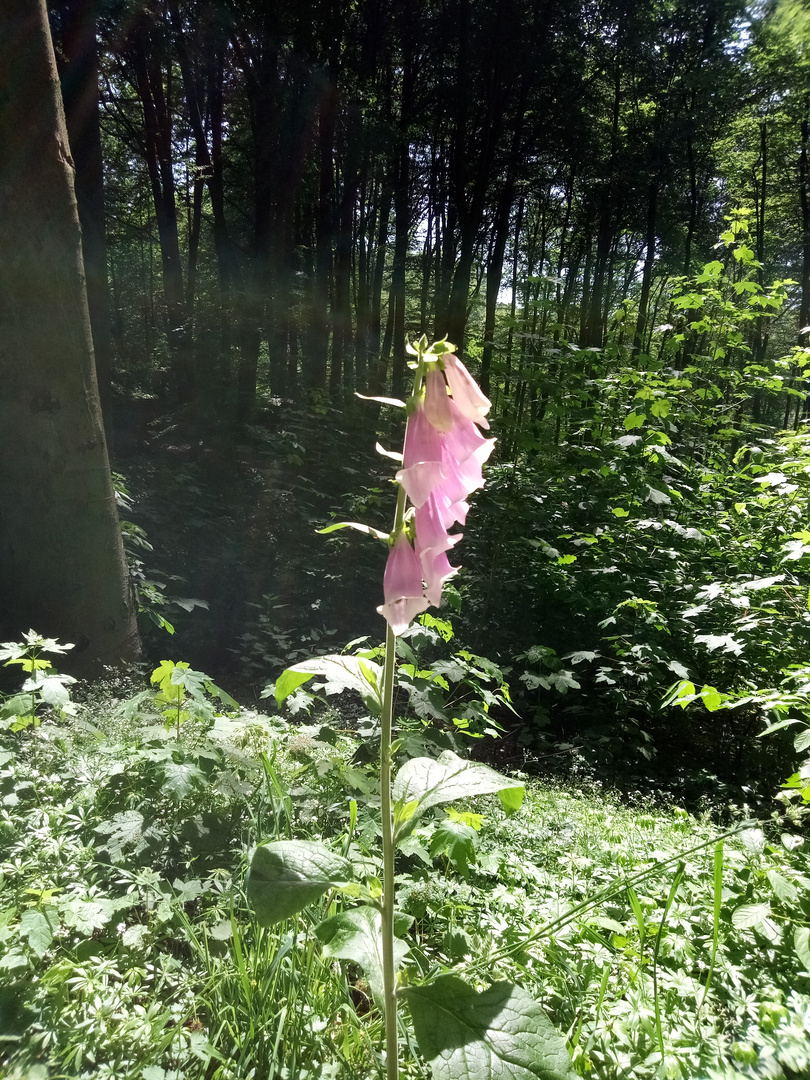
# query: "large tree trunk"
(79, 77)
(62, 568)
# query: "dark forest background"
(604, 205)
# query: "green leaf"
(802, 741)
(777, 726)
(458, 842)
(357, 526)
(712, 698)
(37, 927)
(340, 673)
(382, 400)
(801, 943)
(356, 935)
(783, 888)
(634, 420)
(181, 778)
(430, 782)
(750, 915)
(286, 875)
(502, 1033)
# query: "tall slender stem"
(389, 973)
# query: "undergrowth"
(129, 950)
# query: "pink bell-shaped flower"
(422, 464)
(402, 585)
(466, 392)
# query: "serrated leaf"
(801, 943)
(37, 928)
(458, 841)
(712, 699)
(783, 888)
(13, 961)
(356, 935)
(287, 875)
(750, 915)
(500, 1033)
(133, 936)
(125, 828)
(340, 672)
(802, 741)
(85, 916)
(432, 781)
(180, 778)
(720, 641)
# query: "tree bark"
(62, 568)
(79, 81)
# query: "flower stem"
(386, 735)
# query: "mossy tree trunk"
(62, 568)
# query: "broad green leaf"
(356, 935)
(289, 681)
(783, 888)
(86, 916)
(180, 778)
(339, 673)
(13, 961)
(801, 943)
(286, 875)
(501, 1033)
(606, 923)
(802, 741)
(634, 420)
(777, 726)
(37, 928)
(712, 699)
(458, 842)
(431, 781)
(749, 915)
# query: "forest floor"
(658, 944)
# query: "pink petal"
(420, 480)
(422, 465)
(437, 403)
(422, 440)
(437, 570)
(400, 614)
(432, 536)
(464, 438)
(402, 585)
(465, 390)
